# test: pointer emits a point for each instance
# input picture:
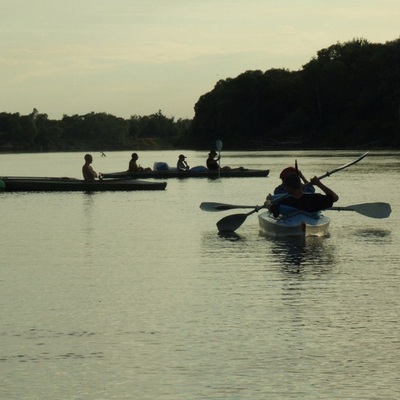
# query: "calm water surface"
(135, 296)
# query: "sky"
(136, 57)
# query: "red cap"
(286, 172)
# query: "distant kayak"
(192, 173)
(48, 184)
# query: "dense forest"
(347, 96)
(93, 131)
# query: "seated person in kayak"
(212, 163)
(307, 187)
(297, 199)
(133, 166)
(182, 165)
(89, 174)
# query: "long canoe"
(233, 173)
(48, 184)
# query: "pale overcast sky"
(135, 57)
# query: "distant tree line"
(93, 131)
(347, 96)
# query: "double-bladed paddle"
(372, 210)
(233, 222)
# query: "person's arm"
(134, 167)
(316, 182)
(93, 172)
(271, 207)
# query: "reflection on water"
(373, 233)
(88, 224)
(136, 295)
(47, 345)
(233, 236)
(295, 254)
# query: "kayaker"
(133, 166)
(89, 174)
(297, 199)
(182, 165)
(212, 162)
(213, 165)
(307, 187)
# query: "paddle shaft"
(218, 145)
(329, 173)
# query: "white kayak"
(298, 223)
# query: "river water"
(135, 296)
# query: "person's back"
(132, 163)
(212, 163)
(133, 166)
(307, 188)
(295, 198)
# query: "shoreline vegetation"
(346, 97)
(155, 145)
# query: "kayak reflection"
(302, 254)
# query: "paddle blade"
(373, 210)
(218, 145)
(221, 206)
(231, 222)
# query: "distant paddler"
(213, 165)
(89, 174)
(134, 166)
